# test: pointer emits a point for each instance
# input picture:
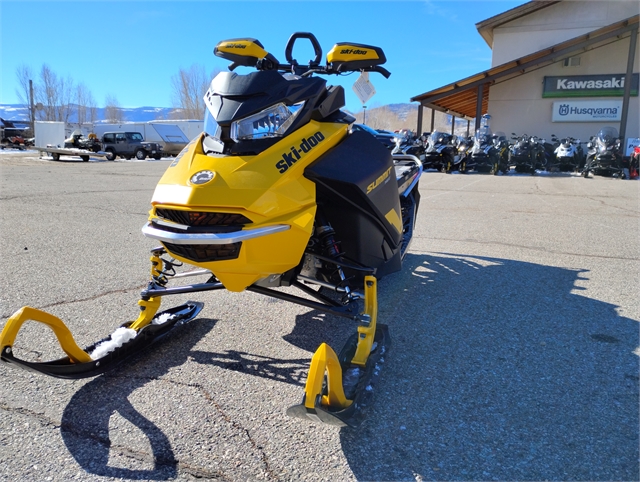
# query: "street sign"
(363, 88)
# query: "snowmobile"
(440, 152)
(604, 155)
(485, 154)
(276, 192)
(78, 141)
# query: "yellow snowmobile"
(276, 192)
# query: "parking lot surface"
(514, 326)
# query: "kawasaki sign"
(587, 111)
(606, 85)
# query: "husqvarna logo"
(563, 109)
(296, 152)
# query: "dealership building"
(562, 67)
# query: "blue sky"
(131, 49)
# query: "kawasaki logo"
(296, 153)
(613, 83)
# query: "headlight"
(271, 122)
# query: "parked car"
(387, 140)
(128, 145)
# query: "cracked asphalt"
(514, 325)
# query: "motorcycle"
(604, 154)
(527, 154)
(276, 192)
(440, 152)
(568, 156)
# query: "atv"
(276, 192)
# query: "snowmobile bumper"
(79, 363)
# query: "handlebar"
(288, 51)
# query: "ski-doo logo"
(378, 182)
(353, 52)
(296, 153)
(234, 46)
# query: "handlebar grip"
(383, 71)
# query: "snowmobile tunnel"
(468, 98)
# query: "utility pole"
(32, 110)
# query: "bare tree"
(112, 109)
(188, 87)
(55, 94)
(86, 105)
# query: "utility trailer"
(56, 152)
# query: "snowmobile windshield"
(607, 135)
(483, 136)
(438, 137)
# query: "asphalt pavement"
(514, 327)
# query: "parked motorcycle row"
(492, 153)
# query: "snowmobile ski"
(102, 355)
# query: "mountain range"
(19, 112)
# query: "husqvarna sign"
(604, 85)
(587, 111)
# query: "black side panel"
(358, 192)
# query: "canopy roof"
(460, 98)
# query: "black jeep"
(128, 145)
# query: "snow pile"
(118, 338)
(163, 318)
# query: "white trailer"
(48, 133)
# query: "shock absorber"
(326, 235)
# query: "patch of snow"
(118, 338)
(163, 318)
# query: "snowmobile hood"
(266, 195)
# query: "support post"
(468, 125)
(479, 106)
(433, 118)
(419, 125)
(633, 39)
(453, 124)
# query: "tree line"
(57, 98)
